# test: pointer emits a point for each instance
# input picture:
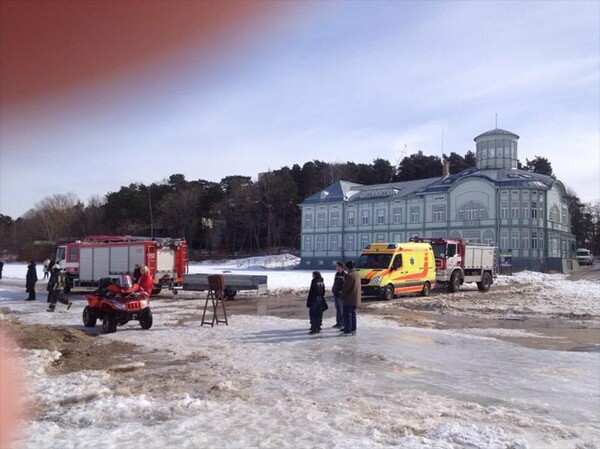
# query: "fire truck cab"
(95, 257)
(457, 262)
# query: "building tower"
(497, 149)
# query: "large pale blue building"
(525, 214)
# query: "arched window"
(472, 211)
(488, 237)
(554, 214)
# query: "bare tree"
(56, 214)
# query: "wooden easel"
(216, 296)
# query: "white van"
(585, 256)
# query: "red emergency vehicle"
(458, 262)
(106, 256)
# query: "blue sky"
(333, 81)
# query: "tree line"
(236, 215)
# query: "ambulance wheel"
(454, 284)
(109, 323)
(146, 319)
(388, 292)
(426, 288)
(486, 282)
(89, 317)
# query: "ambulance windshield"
(374, 261)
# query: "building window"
(439, 212)
(320, 219)
(307, 243)
(534, 211)
(554, 214)
(380, 216)
(504, 240)
(397, 237)
(308, 221)
(534, 239)
(320, 243)
(525, 206)
(364, 217)
(514, 236)
(415, 212)
(334, 242)
(564, 215)
(397, 215)
(472, 211)
(503, 209)
(525, 239)
(335, 218)
(503, 192)
(471, 236)
(350, 218)
(488, 237)
(541, 240)
(350, 242)
(380, 238)
(365, 239)
(514, 206)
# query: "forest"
(237, 215)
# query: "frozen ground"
(264, 382)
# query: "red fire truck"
(100, 256)
(457, 262)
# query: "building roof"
(334, 193)
(496, 132)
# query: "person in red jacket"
(146, 282)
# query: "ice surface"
(264, 382)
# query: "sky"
(333, 81)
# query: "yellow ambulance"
(388, 269)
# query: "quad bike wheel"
(109, 323)
(146, 319)
(89, 317)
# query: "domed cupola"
(497, 149)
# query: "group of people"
(347, 297)
(55, 286)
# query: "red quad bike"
(117, 304)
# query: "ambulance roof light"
(391, 246)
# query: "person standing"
(1, 267)
(314, 302)
(56, 287)
(30, 280)
(137, 273)
(146, 283)
(351, 298)
(338, 281)
(46, 268)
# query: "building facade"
(524, 214)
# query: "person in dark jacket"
(56, 287)
(351, 297)
(338, 281)
(1, 267)
(30, 280)
(314, 302)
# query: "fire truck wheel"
(486, 282)
(156, 290)
(109, 323)
(146, 319)
(454, 284)
(426, 288)
(89, 317)
(388, 293)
